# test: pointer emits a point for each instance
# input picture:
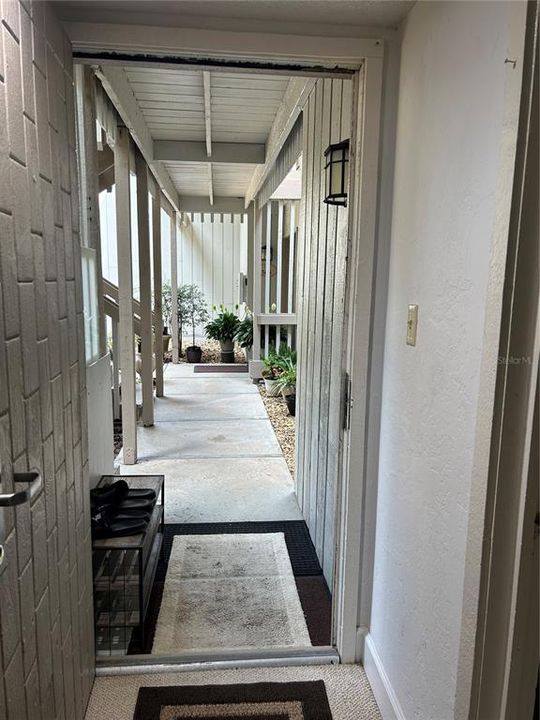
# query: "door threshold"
(215, 660)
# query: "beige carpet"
(229, 591)
(347, 687)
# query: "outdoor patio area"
(214, 442)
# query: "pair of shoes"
(118, 510)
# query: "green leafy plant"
(278, 361)
(244, 333)
(192, 308)
(223, 327)
(286, 381)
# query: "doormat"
(229, 591)
(225, 368)
(313, 591)
(253, 701)
(302, 553)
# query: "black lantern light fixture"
(337, 173)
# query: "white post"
(125, 295)
(291, 307)
(256, 284)
(267, 273)
(174, 286)
(156, 237)
(115, 368)
(250, 252)
(145, 282)
(279, 272)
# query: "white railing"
(274, 278)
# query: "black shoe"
(109, 495)
(103, 527)
(141, 494)
(135, 505)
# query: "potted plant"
(196, 315)
(191, 306)
(166, 312)
(244, 333)
(223, 328)
(286, 382)
(275, 364)
(271, 372)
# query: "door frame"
(361, 59)
(354, 491)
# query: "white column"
(250, 252)
(279, 272)
(145, 283)
(158, 317)
(291, 305)
(115, 371)
(174, 286)
(125, 295)
(255, 364)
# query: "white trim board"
(380, 683)
(325, 52)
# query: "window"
(90, 304)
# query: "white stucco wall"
(453, 124)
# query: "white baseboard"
(380, 684)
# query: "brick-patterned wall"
(46, 654)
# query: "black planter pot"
(291, 404)
(193, 354)
(227, 351)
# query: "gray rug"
(229, 591)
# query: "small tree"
(192, 308)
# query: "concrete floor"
(214, 443)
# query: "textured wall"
(322, 249)
(46, 657)
(452, 124)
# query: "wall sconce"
(337, 173)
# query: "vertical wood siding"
(320, 299)
(212, 251)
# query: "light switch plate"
(412, 324)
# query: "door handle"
(34, 483)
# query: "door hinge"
(347, 401)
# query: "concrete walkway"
(214, 443)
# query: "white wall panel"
(212, 251)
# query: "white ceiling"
(286, 16)
(243, 108)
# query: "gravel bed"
(283, 424)
(211, 353)
(117, 436)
